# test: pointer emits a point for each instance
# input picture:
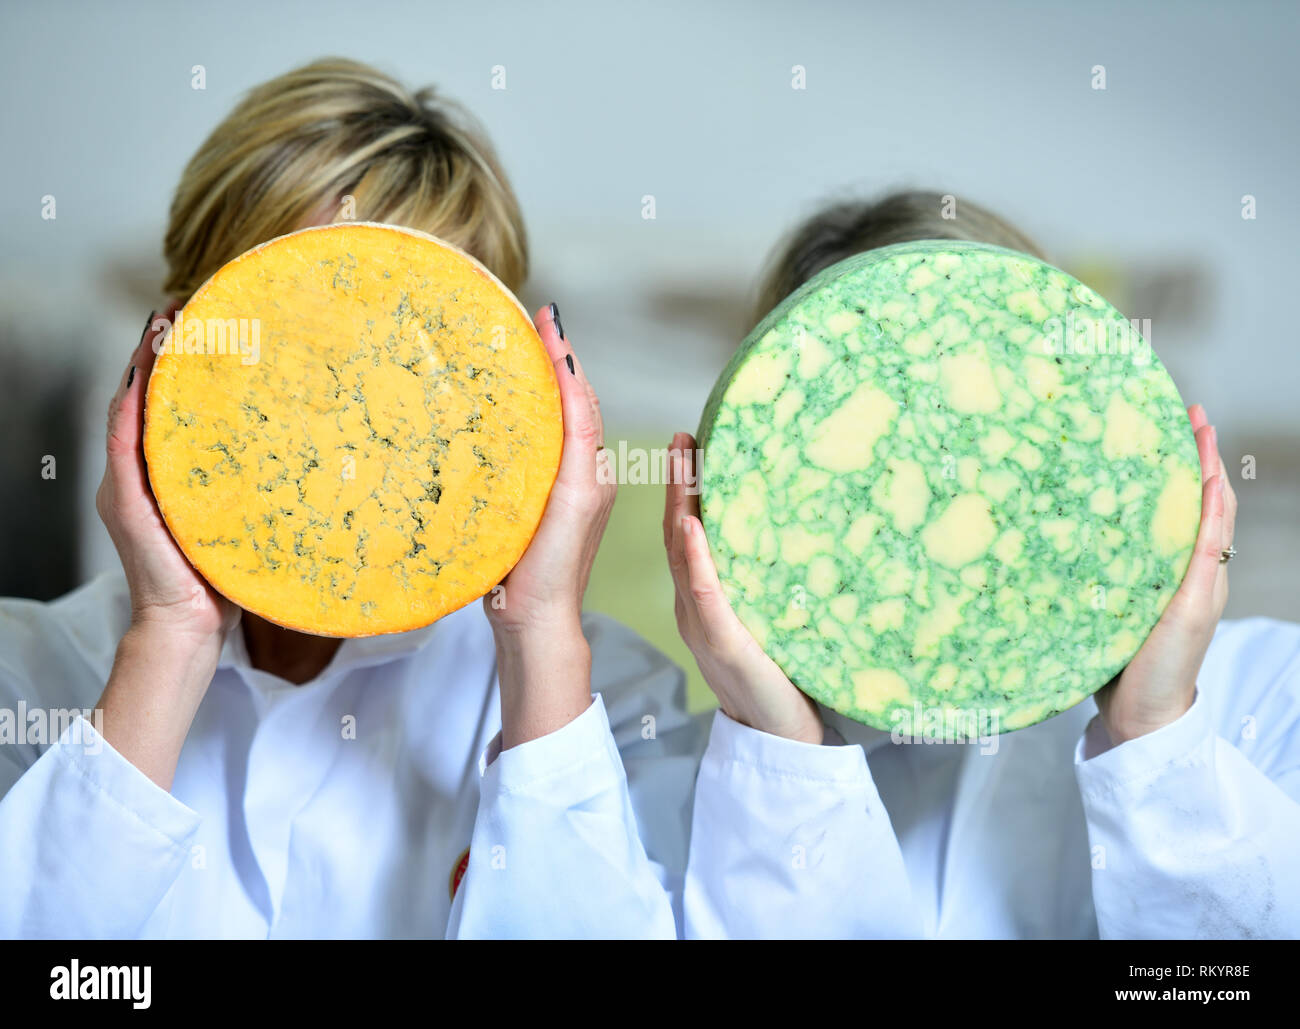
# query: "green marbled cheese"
(948, 481)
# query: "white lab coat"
(279, 824)
(1190, 831)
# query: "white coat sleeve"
(582, 833)
(89, 845)
(555, 851)
(1194, 835)
(791, 840)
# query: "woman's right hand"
(750, 688)
(166, 592)
(168, 655)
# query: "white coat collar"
(848, 731)
(352, 654)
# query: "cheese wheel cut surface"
(948, 488)
(353, 430)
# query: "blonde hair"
(295, 146)
(845, 229)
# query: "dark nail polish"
(568, 359)
(147, 326)
(130, 377)
(555, 317)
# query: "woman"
(252, 781)
(1167, 805)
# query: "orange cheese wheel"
(353, 429)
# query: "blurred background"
(692, 112)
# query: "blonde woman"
(1168, 805)
(220, 799)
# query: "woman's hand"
(750, 688)
(167, 658)
(544, 662)
(166, 592)
(1159, 684)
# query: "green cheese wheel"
(948, 488)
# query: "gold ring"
(1227, 555)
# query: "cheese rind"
(1008, 487)
(379, 450)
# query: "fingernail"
(688, 526)
(130, 377)
(555, 317)
(147, 325)
(1219, 485)
(568, 359)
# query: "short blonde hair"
(295, 146)
(845, 229)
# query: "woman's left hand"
(543, 660)
(1159, 684)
